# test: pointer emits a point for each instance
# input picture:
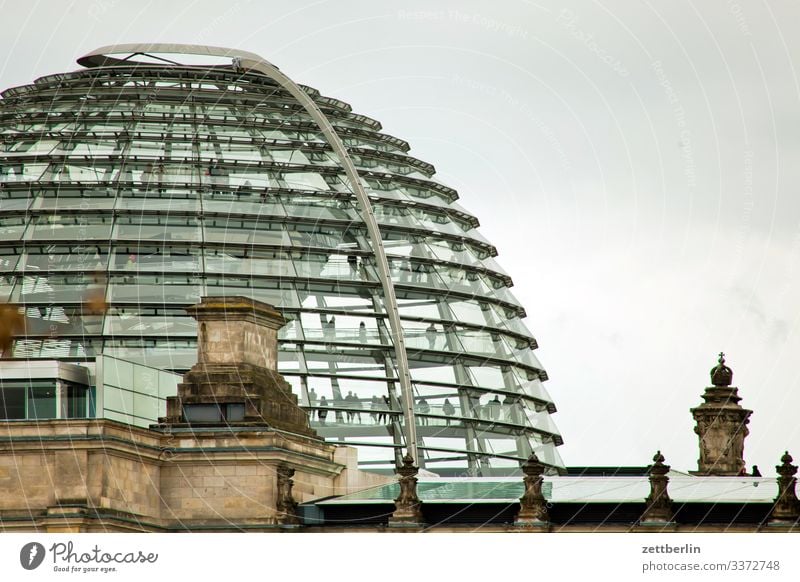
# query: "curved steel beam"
(246, 61)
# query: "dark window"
(12, 402)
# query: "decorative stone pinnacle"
(721, 375)
(408, 510)
(533, 466)
(533, 505)
(659, 505)
(787, 506)
(721, 424)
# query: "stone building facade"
(235, 453)
(208, 473)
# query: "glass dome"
(140, 187)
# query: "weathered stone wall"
(234, 492)
(134, 478)
(26, 480)
(235, 341)
(237, 330)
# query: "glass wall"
(41, 399)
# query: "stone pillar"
(787, 506)
(286, 505)
(234, 330)
(659, 505)
(533, 505)
(408, 510)
(235, 381)
(721, 425)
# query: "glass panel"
(15, 201)
(231, 203)
(12, 228)
(167, 289)
(12, 402)
(159, 202)
(77, 402)
(42, 402)
(310, 207)
(142, 322)
(326, 237)
(59, 321)
(164, 228)
(6, 285)
(332, 267)
(72, 201)
(70, 227)
(20, 172)
(63, 258)
(233, 261)
(283, 296)
(80, 173)
(156, 259)
(322, 359)
(426, 336)
(56, 348)
(164, 355)
(53, 288)
(237, 231)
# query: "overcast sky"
(635, 163)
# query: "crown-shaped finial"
(721, 375)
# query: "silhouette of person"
(352, 260)
(418, 268)
(329, 328)
(375, 406)
(494, 407)
(312, 401)
(323, 411)
(508, 407)
(362, 332)
(384, 410)
(431, 334)
(448, 409)
(423, 408)
(356, 402)
(349, 403)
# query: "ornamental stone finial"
(721, 424)
(659, 505)
(408, 510)
(787, 506)
(721, 375)
(533, 505)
